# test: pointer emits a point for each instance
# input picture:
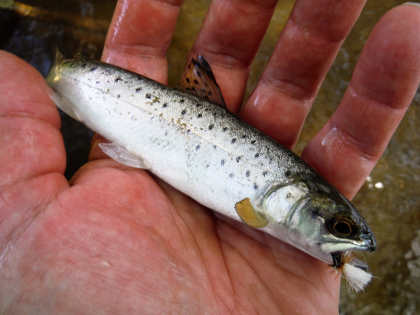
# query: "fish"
(209, 154)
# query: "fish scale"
(209, 154)
(193, 123)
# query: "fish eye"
(342, 227)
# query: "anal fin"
(122, 155)
(198, 79)
(249, 215)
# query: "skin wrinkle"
(348, 139)
(307, 80)
(56, 122)
(236, 252)
(231, 307)
(372, 101)
(226, 50)
(222, 59)
(265, 4)
(249, 7)
(284, 270)
(16, 234)
(141, 50)
(33, 176)
(289, 88)
(220, 251)
(328, 34)
(313, 34)
(192, 237)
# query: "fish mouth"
(366, 242)
(369, 241)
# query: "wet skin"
(116, 240)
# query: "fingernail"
(412, 3)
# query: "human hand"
(116, 240)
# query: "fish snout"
(369, 241)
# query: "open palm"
(116, 240)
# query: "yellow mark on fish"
(249, 215)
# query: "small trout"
(204, 151)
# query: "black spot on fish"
(207, 165)
(182, 100)
(243, 136)
(265, 173)
(247, 173)
(165, 105)
(188, 130)
(211, 126)
(224, 129)
(93, 68)
(233, 140)
(138, 89)
(148, 95)
(97, 82)
(118, 79)
(184, 111)
(166, 133)
(200, 115)
(222, 162)
(255, 186)
(198, 105)
(238, 158)
(195, 81)
(197, 147)
(84, 65)
(118, 95)
(253, 141)
(188, 80)
(287, 173)
(256, 155)
(231, 175)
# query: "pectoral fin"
(198, 79)
(249, 215)
(122, 155)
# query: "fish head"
(323, 222)
(341, 228)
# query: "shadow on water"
(390, 199)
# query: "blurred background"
(390, 198)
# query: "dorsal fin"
(198, 79)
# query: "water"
(389, 200)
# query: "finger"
(140, 34)
(30, 140)
(303, 55)
(229, 39)
(137, 40)
(383, 85)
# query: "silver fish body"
(209, 154)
